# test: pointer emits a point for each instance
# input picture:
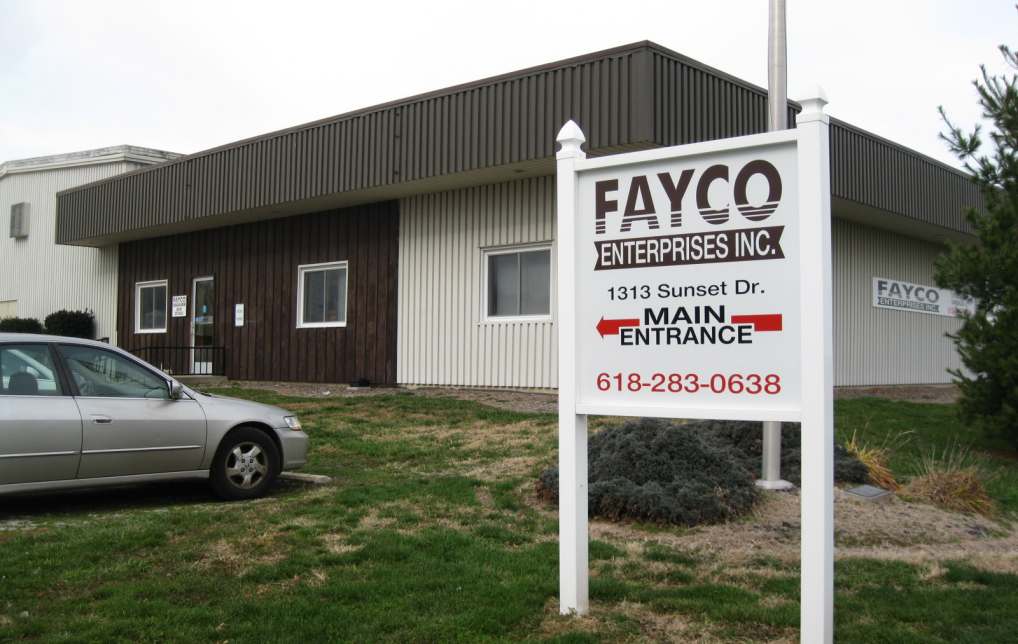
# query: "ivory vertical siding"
(880, 346)
(43, 277)
(442, 336)
(444, 340)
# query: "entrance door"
(203, 325)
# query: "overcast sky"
(184, 76)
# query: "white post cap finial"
(813, 107)
(571, 137)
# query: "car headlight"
(292, 423)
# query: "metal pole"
(777, 119)
(777, 68)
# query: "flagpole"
(777, 119)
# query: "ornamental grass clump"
(876, 458)
(662, 472)
(951, 480)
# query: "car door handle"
(101, 420)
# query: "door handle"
(101, 420)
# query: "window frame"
(138, 286)
(302, 270)
(486, 253)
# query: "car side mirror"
(176, 390)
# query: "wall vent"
(19, 220)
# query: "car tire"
(245, 465)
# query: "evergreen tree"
(988, 269)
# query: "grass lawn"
(431, 534)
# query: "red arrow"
(760, 321)
(611, 327)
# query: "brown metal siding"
(882, 174)
(641, 94)
(256, 264)
(507, 120)
(692, 104)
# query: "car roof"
(38, 337)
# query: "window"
(518, 282)
(321, 295)
(97, 372)
(150, 307)
(19, 220)
(27, 370)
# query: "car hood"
(217, 406)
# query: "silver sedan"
(77, 413)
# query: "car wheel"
(245, 465)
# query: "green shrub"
(20, 325)
(693, 473)
(72, 324)
(654, 470)
(747, 439)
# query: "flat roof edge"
(111, 154)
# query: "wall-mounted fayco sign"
(919, 298)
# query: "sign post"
(816, 620)
(694, 282)
(572, 435)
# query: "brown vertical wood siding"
(256, 265)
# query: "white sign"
(238, 315)
(179, 306)
(687, 278)
(906, 296)
(695, 282)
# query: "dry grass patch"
(395, 516)
(667, 626)
(951, 480)
(372, 521)
(238, 558)
(894, 530)
(484, 435)
(221, 555)
(338, 545)
(961, 491)
(501, 469)
(316, 578)
(932, 572)
(484, 497)
(326, 450)
(432, 433)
